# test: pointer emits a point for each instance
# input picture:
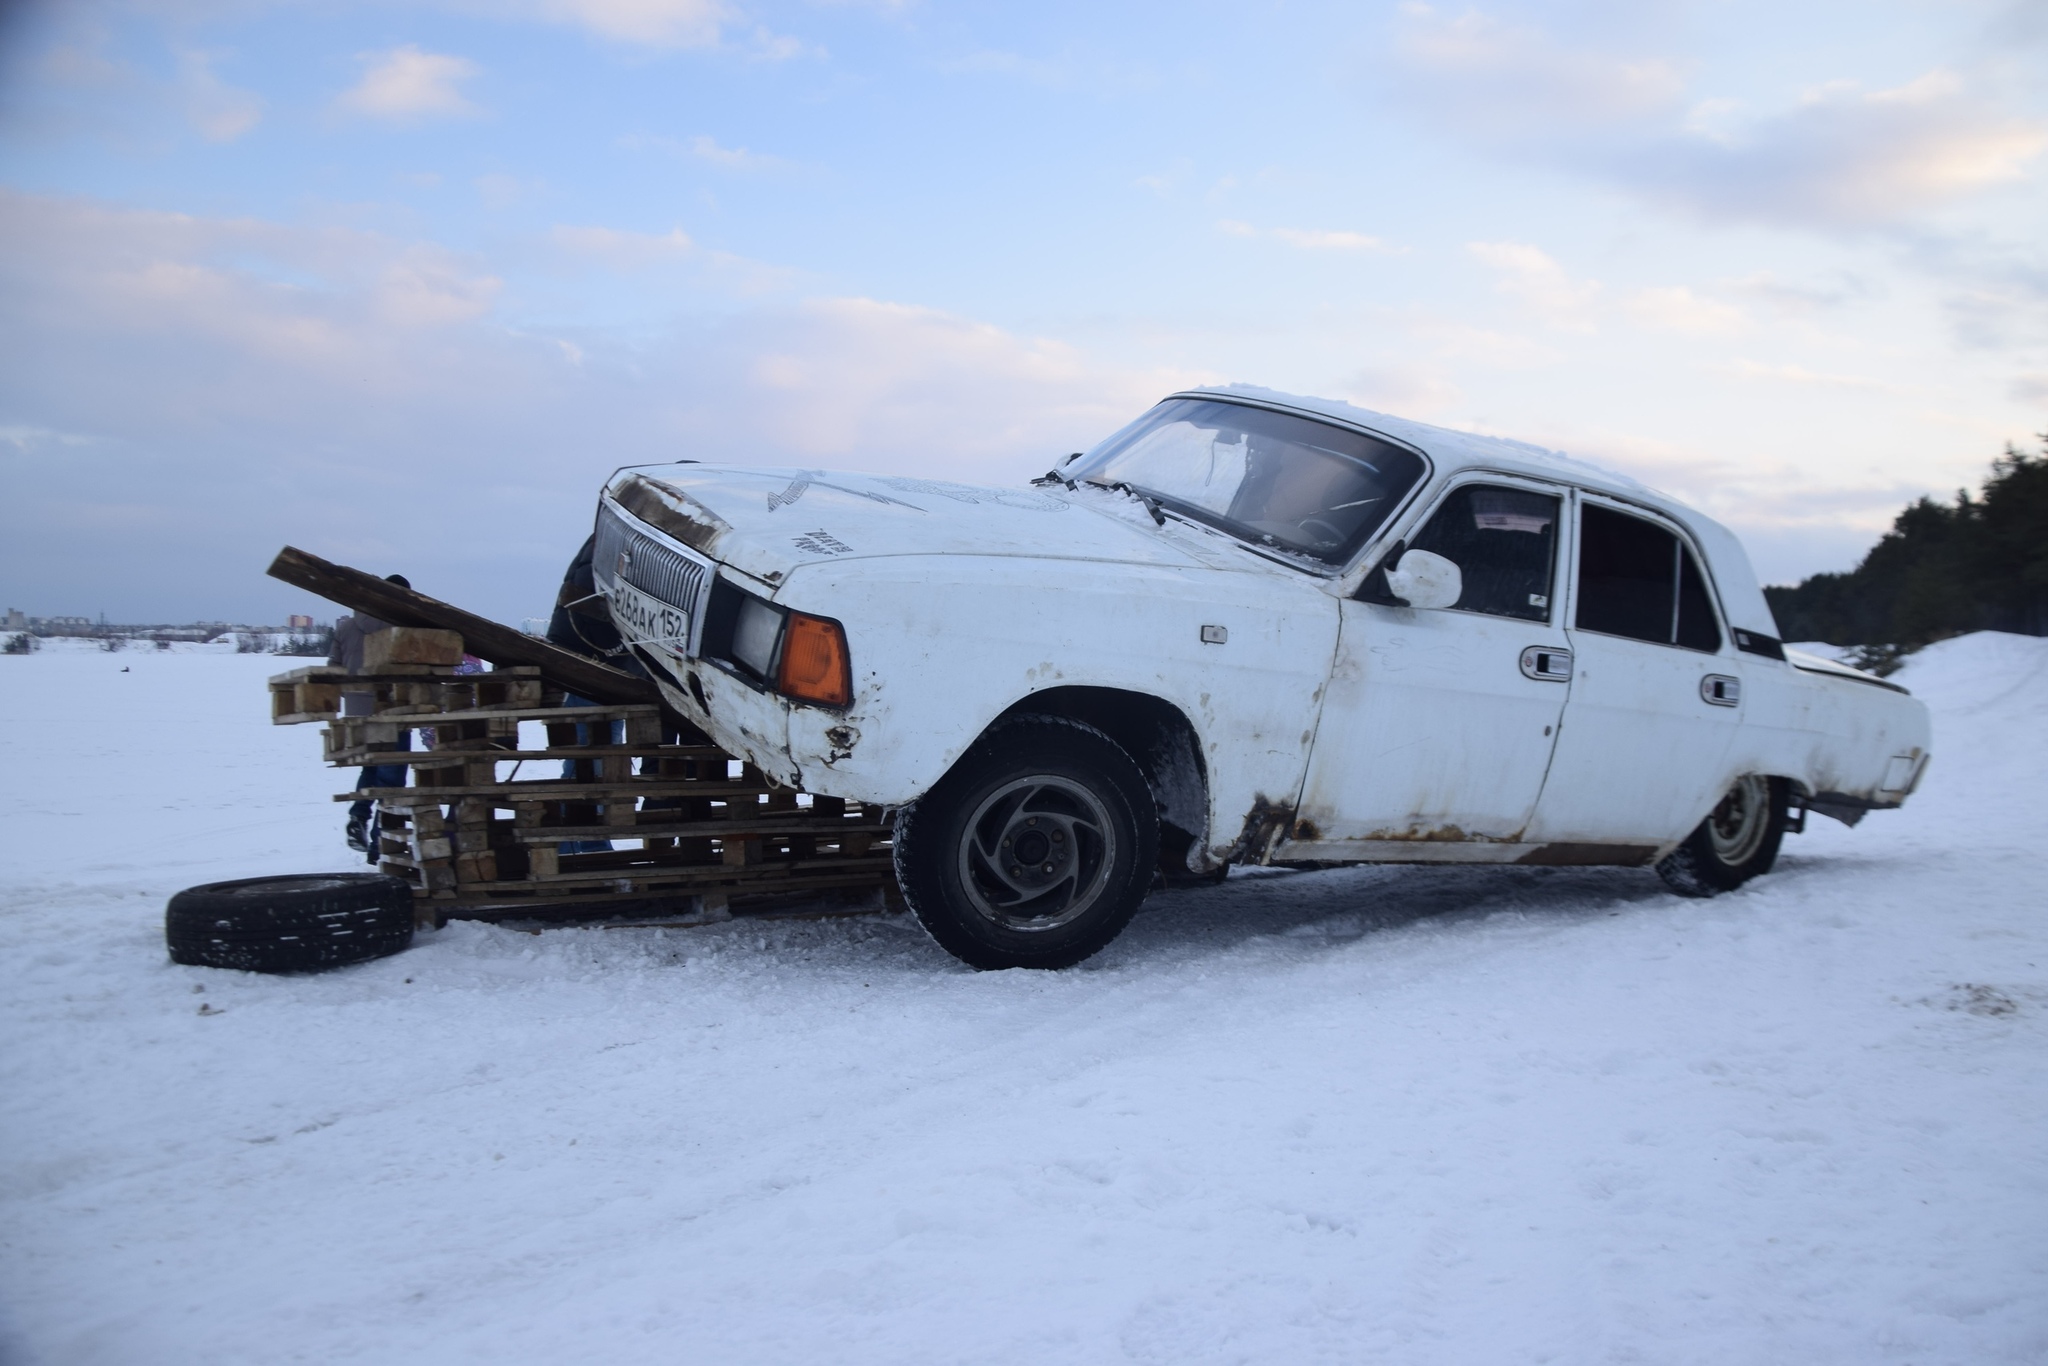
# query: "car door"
(1655, 696)
(1438, 723)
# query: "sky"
(401, 283)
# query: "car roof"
(1448, 449)
(1452, 451)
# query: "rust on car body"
(1265, 825)
(667, 508)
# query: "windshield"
(1270, 478)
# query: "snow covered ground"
(1400, 1115)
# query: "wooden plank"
(800, 898)
(430, 717)
(356, 758)
(556, 790)
(484, 638)
(411, 645)
(783, 823)
(826, 872)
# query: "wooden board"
(486, 639)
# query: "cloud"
(1798, 296)
(429, 287)
(646, 23)
(237, 384)
(1533, 276)
(497, 190)
(406, 84)
(1798, 374)
(629, 252)
(623, 250)
(703, 147)
(1843, 157)
(706, 148)
(221, 112)
(1675, 308)
(1309, 239)
(1409, 390)
(1516, 82)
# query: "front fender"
(943, 646)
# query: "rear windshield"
(1274, 479)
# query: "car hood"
(769, 522)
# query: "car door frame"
(1726, 661)
(1303, 840)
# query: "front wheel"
(1737, 841)
(1036, 849)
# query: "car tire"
(1034, 851)
(1737, 841)
(298, 923)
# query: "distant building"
(15, 620)
(299, 623)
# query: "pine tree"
(1978, 564)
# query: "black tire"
(1035, 781)
(1737, 841)
(297, 923)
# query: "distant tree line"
(1978, 564)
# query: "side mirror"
(1426, 579)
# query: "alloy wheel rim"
(1037, 853)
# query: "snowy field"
(1369, 1115)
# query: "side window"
(1638, 580)
(1504, 542)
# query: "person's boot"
(359, 836)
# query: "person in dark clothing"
(582, 622)
(347, 653)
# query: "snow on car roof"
(1448, 447)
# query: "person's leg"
(384, 775)
(569, 770)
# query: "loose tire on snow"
(300, 923)
(1035, 851)
(1737, 841)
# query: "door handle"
(1720, 690)
(1546, 664)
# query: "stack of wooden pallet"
(522, 806)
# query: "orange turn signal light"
(815, 667)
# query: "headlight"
(755, 634)
(797, 654)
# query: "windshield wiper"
(1053, 475)
(1151, 503)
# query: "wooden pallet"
(314, 694)
(479, 828)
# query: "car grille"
(655, 569)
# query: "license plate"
(644, 620)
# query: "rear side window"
(1638, 580)
(1504, 542)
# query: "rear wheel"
(1035, 851)
(1737, 841)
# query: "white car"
(1247, 628)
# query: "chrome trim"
(1547, 664)
(676, 576)
(1720, 690)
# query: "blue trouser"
(615, 734)
(379, 775)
